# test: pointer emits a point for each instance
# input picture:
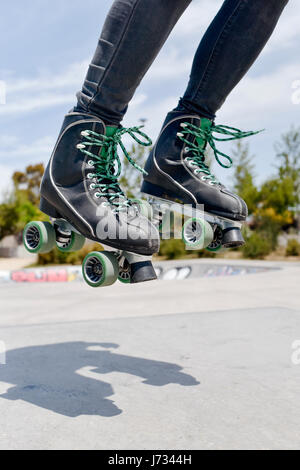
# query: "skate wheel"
(69, 242)
(100, 269)
(124, 270)
(216, 244)
(39, 237)
(144, 208)
(197, 233)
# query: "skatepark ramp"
(166, 271)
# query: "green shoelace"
(205, 136)
(107, 163)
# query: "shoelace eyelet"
(92, 186)
(85, 133)
(90, 163)
(97, 195)
(90, 176)
(80, 146)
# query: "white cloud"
(16, 155)
(46, 90)
(263, 98)
(287, 32)
(170, 65)
(72, 76)
(196, 18)
(138, 100)
(11, 148)
(34, 103)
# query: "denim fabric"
(135, 31)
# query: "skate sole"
(51, 211)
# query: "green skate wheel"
(100, 269)
(144, 207)
(39, 237)
(216, 249)
(216, 244)
(197, 233)
(70, 242)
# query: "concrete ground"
(195, 364)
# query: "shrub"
(293, 248)
(172, 249)
(58, 257)
(257, 246)
(206, 254)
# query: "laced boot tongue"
(109, 132)
(103, 154)
(205, 125)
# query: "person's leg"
(176, 167)
(229, 47)
(81, 182)
(132, 36)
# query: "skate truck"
(99, 268)
(197, 228)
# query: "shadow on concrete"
(67, 378)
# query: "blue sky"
(45, 50)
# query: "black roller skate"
(179, 181)
(81, 194)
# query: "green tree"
(28, 182)
(288, 153)
(244, 176)
(8, 218)
(278, 194)
(21, 206)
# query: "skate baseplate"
(99, 268)
(196, 227)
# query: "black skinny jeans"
(135, 31)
